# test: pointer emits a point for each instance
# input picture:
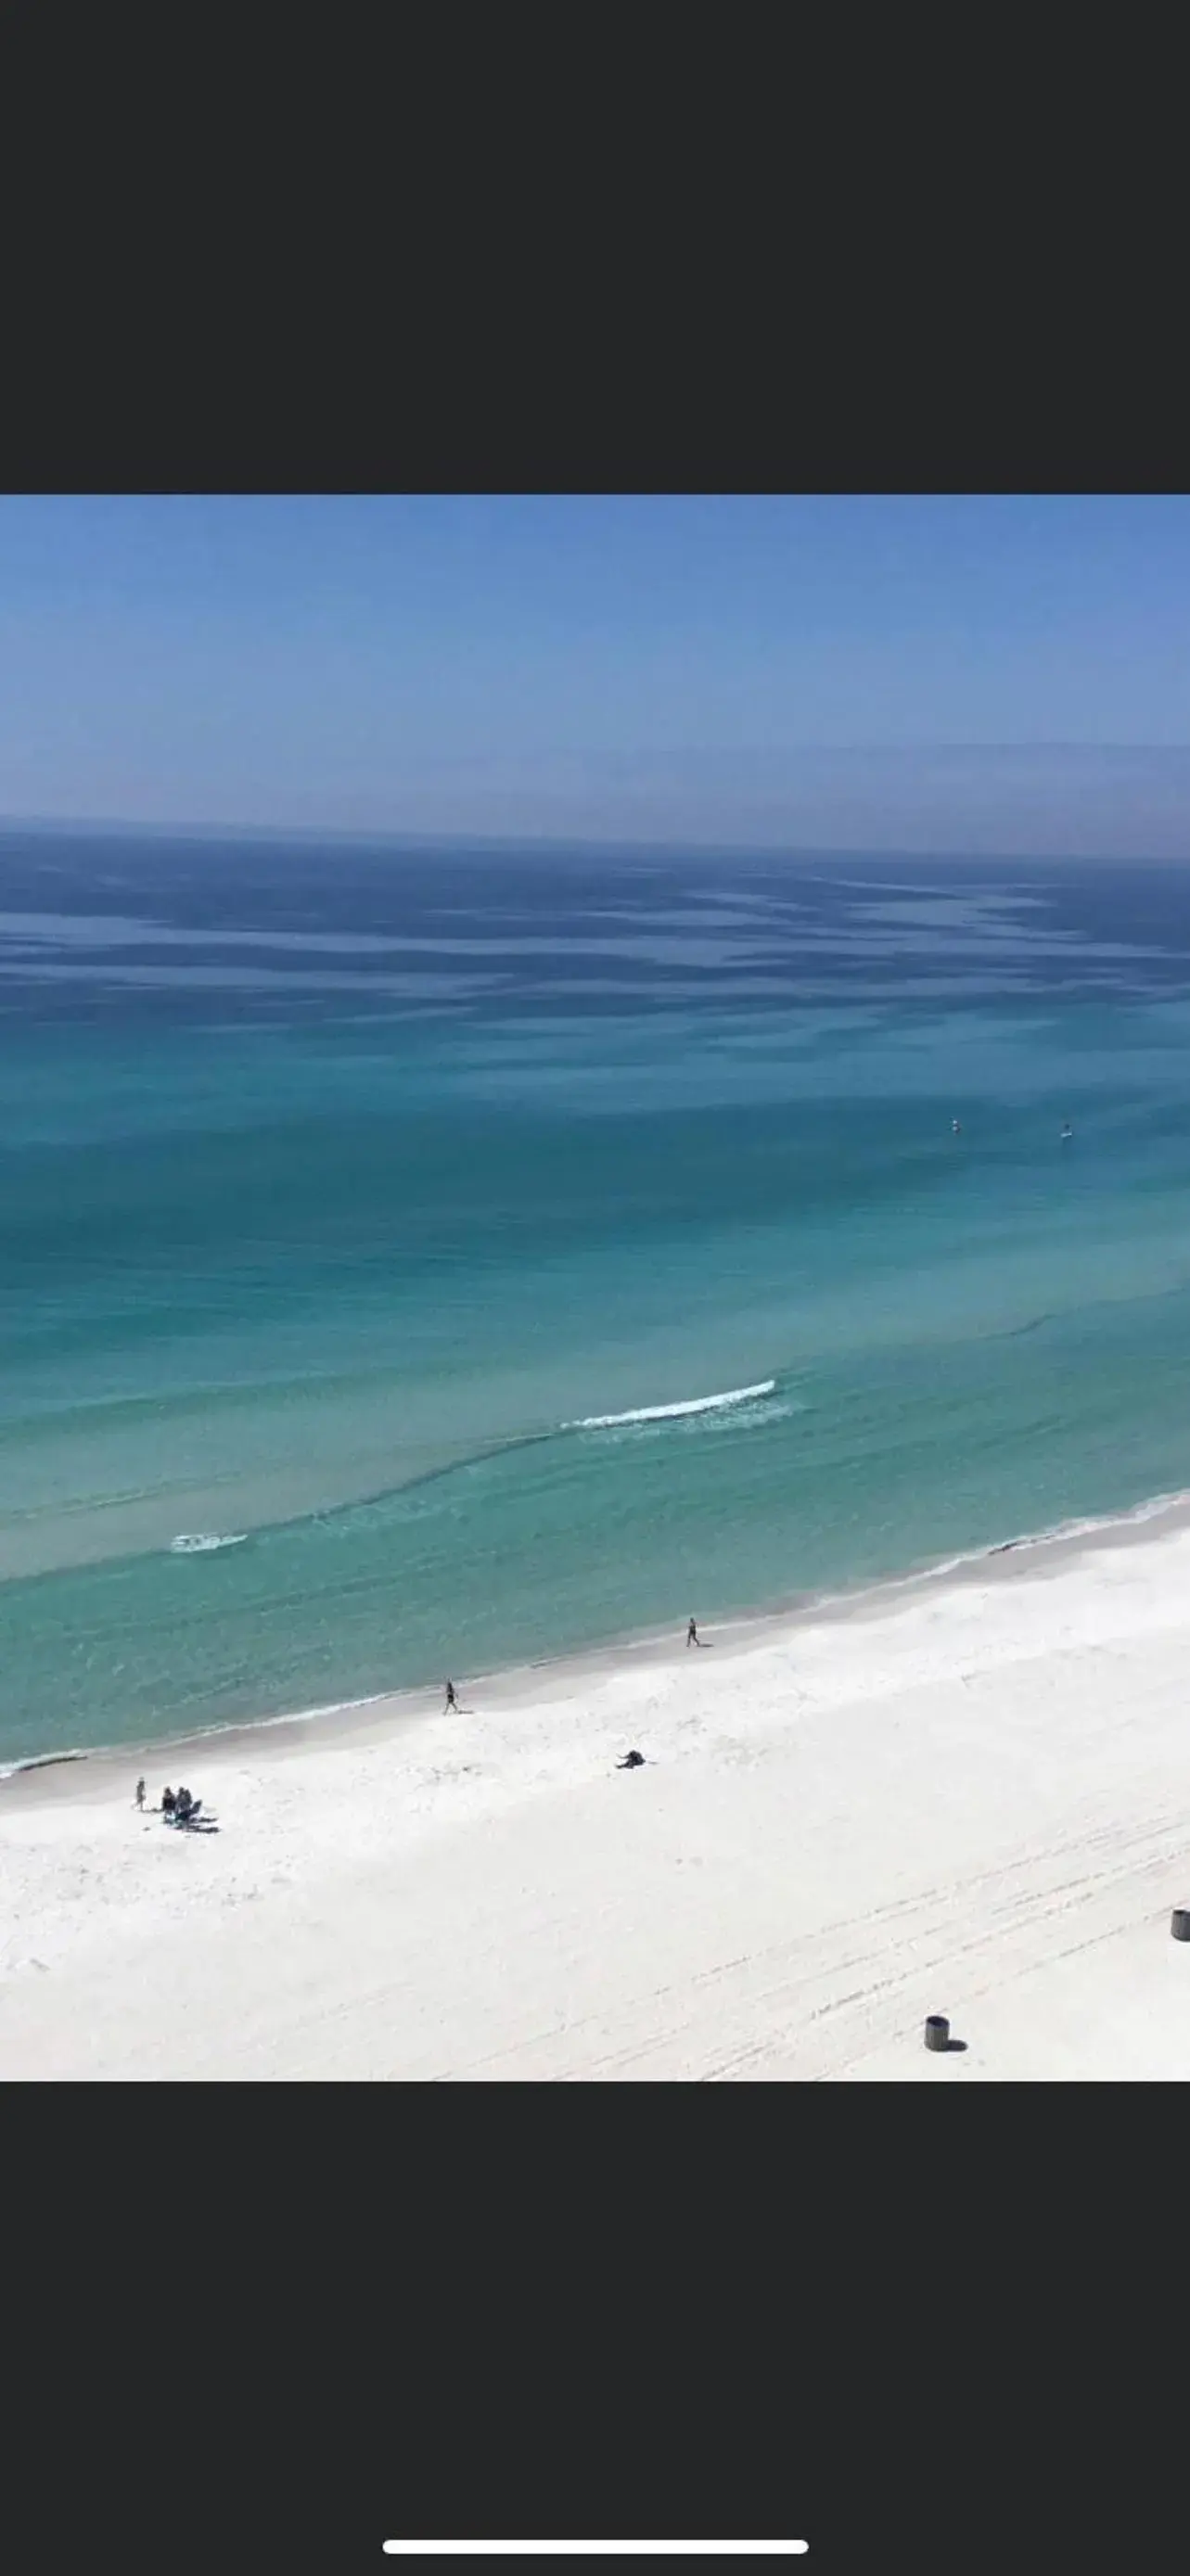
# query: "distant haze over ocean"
(1043, 800)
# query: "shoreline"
(509, 1687)
(961, 1796)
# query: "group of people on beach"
(180, 1809)
(177, 1805)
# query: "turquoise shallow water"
(339, 1184)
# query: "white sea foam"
(669, 1412)
(203, 1541)
(41, 1762)
(1062, 1533)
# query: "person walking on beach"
(451, 1701)
(692, 1635)
(140, 1793)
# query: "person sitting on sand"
(451, 1701)
(140, 1793)
(631, 1762)
(183, 1806)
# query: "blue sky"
(984, 673)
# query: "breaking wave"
(669, 1412)
(203, 1541)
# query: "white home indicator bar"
(596, 2548)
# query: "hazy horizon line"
(102, 825)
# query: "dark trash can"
(1179, 1923)
(937, 2031)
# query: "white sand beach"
(969, 1795)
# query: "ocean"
(418, 1261)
